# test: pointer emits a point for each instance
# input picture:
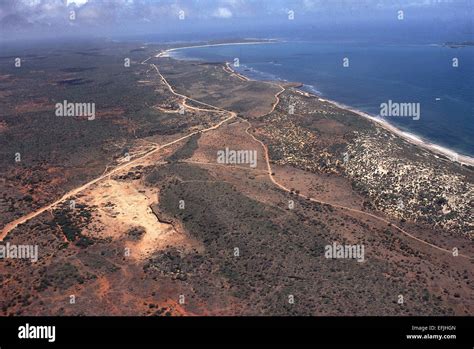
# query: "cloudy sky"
(47, 17)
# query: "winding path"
(281, 186)
(12, 225)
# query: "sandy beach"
(409, 137)
(165, 53)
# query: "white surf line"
(281, 186)
(234, 73)
(165, 52)
(407, 136)
(413, 139)
(240, 76)
(269, 169)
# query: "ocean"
(373, 74)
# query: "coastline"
(414, 139)
(165, 53)
(437, 150)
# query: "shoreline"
(411, 138)
(436, 149)
(165, 52)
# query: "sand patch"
(123, 206)
(233, 137)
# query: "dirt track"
(12, 225)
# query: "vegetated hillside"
(281, 253)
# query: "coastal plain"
(158, 227)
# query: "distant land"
(445, 125)
(459, 44)
(135, 213)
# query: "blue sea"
(376, 73)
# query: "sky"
(46, 18)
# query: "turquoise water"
(376, 74)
